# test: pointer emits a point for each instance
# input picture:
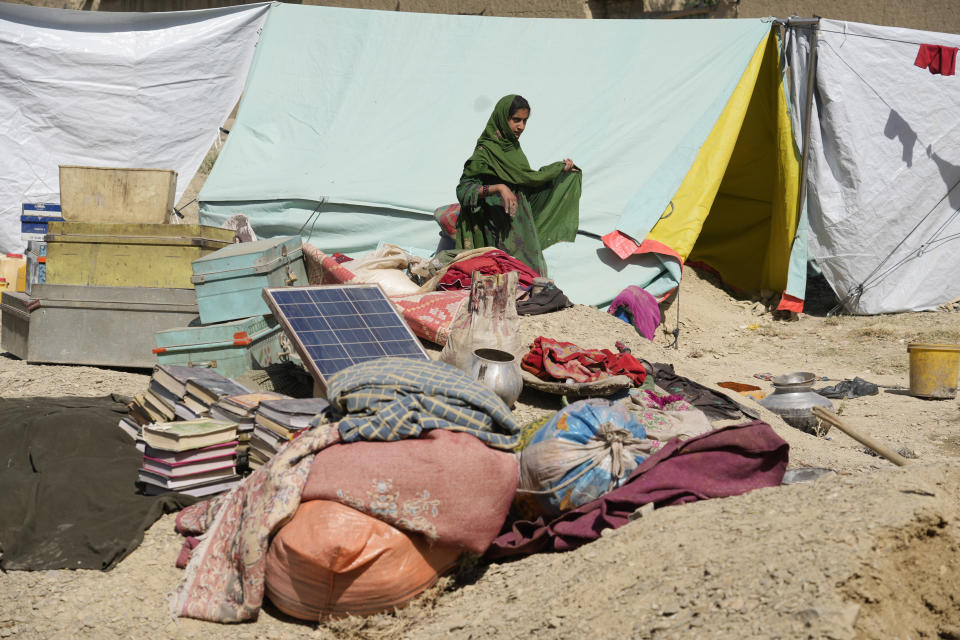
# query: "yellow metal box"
(129, 255)
(107, 194)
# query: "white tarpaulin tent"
(884, 166)
(146, 90)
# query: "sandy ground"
(868, 552)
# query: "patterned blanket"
(393, 398)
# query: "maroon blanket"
(721, 463)
(459, 274)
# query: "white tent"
(146, 90)
(884, 166)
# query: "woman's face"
(518, 121)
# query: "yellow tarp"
(736, 210)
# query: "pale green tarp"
(367, 117)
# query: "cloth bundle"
(449, 487)
(492, 262)
(546, 301)
(549, 359)
(639, 308)
(585, 450)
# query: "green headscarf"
(498, 153)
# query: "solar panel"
(335, 326)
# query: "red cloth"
(448, 486)
(937, 58)
(549, 359)
(491, 263)
(717, 464)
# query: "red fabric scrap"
(938, 59)
(549, 359)
(458, 275)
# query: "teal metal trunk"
(229, 281)
(229, 348)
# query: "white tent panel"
(884, 167)
(145, 90)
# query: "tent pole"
(814, 25)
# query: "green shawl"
(498, 153)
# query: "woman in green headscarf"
(506, 204)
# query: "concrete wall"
(508, 8)
(931, 15)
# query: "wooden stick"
(867, 441)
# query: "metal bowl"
(795, 379)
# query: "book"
(174, 377)
(226, 413)
(155, 405)
(130, 427)
(275, 441)
(248, 402)
(163, 395)
(184, 412)
(176, 484)
(138, 413)
(262, 448)
(193, 455)
(195, 405)
(188, 469)
(293, 413)
(153, 414)
(279, 429)
(199, 490)
(209, 389)
(189, 434)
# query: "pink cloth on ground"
(448, 486)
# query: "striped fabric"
(395, 398)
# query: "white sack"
(147, 90)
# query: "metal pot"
(793, 399)
(499, 371)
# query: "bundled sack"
(332, 561)
(587, 449)
(384, 267)
(448, 486)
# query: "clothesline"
(862, 35)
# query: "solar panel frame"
(312, 317)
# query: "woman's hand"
(509, 199)
(568, 165)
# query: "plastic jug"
(13, 268)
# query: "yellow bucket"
(934, 369)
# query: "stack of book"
(277, 421)
(176, 393)
(195, 457)
(240, 409)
